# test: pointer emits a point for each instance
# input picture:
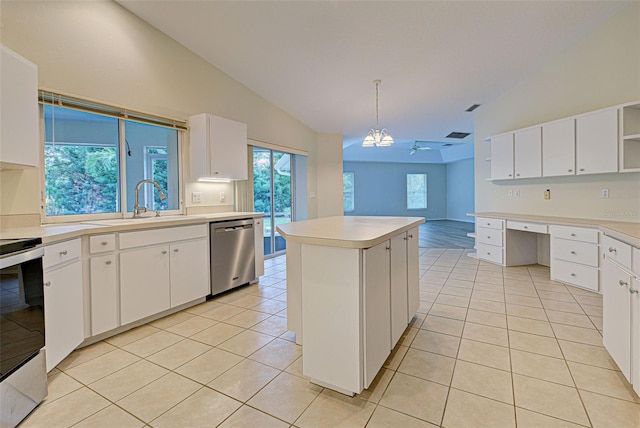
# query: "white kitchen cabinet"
(559, 148)
(597, 142)
(502, 156)
(218, 147)
(490, 239)
(635, 335)
(413, 273)
(63, 300)
(189, 271)
(19, 120)
(377, 307)
(144, 283)
(528, 153)
(616, 312)
(258, 235)
(105, 297)
(575, 256)
(399, 289)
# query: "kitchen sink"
(140, 220)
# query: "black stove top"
(8, 246)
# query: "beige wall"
(601, 70)
(329, 167)
(100, 51)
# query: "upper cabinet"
(630, 139)
(528, 152)
(559, 148)
(502, 156)
(19, 123)
(597, 142)
(603, 141)
(218, 148)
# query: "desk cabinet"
(575, 256)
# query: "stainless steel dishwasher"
(232, 254)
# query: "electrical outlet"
(516, 193)
(222, 197)
(547, 194)
(605, 193)
(196, 197)
(509, 192)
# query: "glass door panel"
(282, 206)
(262, 192)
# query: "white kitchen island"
(352, 289)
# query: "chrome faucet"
(137, 209)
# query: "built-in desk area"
(571, 247)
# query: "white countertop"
(347, 231)
(61, 231)
(625, 231)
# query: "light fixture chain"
(377, 84)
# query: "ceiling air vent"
(458, 135)
(473, 107)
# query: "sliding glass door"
(272, 185)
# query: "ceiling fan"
(416, 147)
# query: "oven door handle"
(16, 259)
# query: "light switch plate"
(516, 193)
(196, 197)
(605, 193)
(547, 194)
(509, 192)
(222, 197)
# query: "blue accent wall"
(381, 189)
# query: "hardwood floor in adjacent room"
(446, 234)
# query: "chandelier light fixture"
(377, 137)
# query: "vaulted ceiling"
(317, 60)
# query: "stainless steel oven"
(23, 375)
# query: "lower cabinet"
(398, 287)
(144, 283)
(189, 280)
(258, 235)
(63, 300)
(105, 297)
(575, 256)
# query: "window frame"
(426, 193)
(122, 179)
(353, 192)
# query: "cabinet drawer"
(575, 233)
(576, 274)
(617, 251)
(490, 223)
(635, 262)
(527, 227)
(575, 251)
(489, 236)
(490, 253)
(60, 253)
(102, 243)
(143, 238)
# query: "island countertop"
(347, 231)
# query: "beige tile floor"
(490, 347)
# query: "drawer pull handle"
(164, 251)
(104, 243)
(573, 274)
(488, 253)
(526, 227)
(488, 237)
(176, 250)
(633, 291)
(573, 234)
(63, 253)
(108, 262)
(388, 248)
(410, 235)
(581, 169)
(622, 283)
(573, 252)
(569, 170)
(47, 284)
(612, 250)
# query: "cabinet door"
(377, 310)
(399, 296)
(413, 273)
(258, 234)
(616, 312)
(597, 142)
(144, 283)
(559, 148)
(635, 336)
(104, 294)
(528, 153)
(19, 132)
(502, 157)
(189, 271)
(228, 140)
(63, 312)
